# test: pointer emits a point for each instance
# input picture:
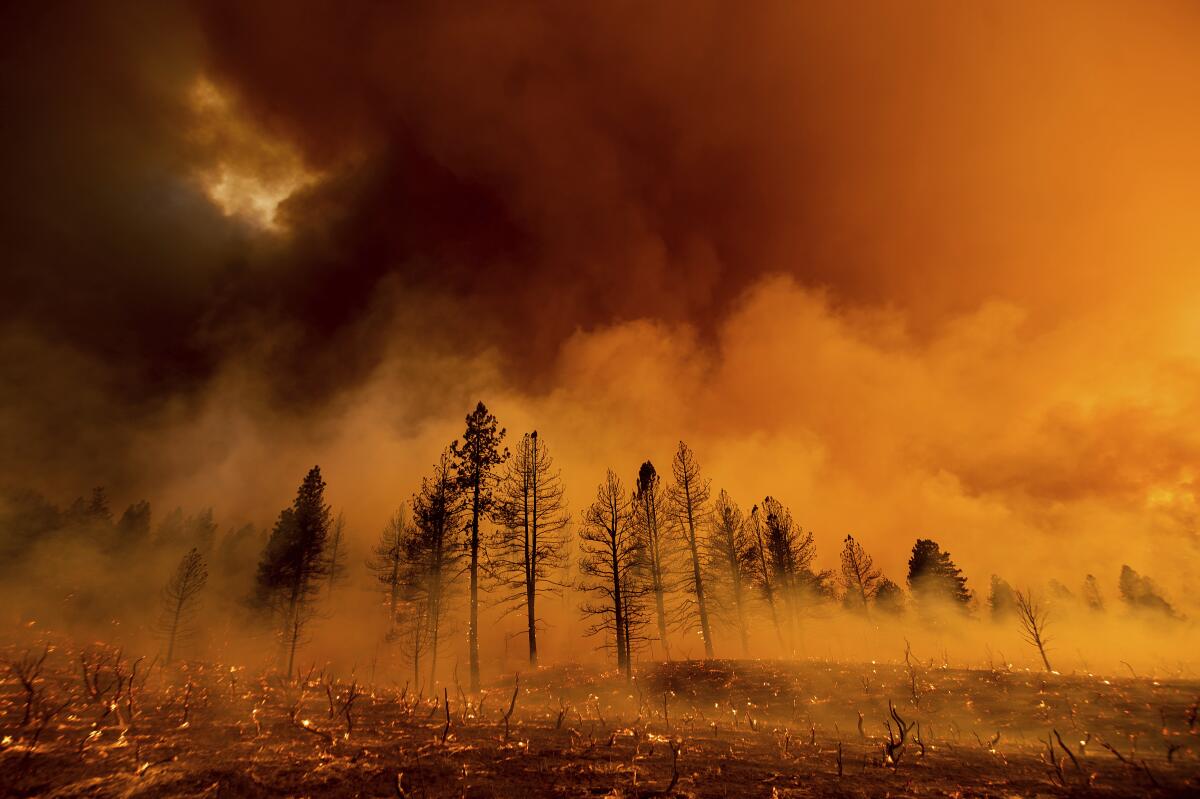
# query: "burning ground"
(100, 722)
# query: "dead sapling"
(446, 729)
(512, 704)
(1138, 766)
(28, 670)
(1033, 616)
(894, 747)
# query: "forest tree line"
(658, 559)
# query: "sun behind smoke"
(246, 172)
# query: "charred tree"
(1033, 616)
(860, 578)
(762, 574)
(734, 554)
(658, 554)
(476, 458)
(688, 499)
(528, 547)
(181, 599)
(611, 553)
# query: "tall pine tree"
(294, 563)
(476, 458)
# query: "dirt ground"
(97, 727)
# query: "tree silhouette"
(438, 510)
(791, 551)
(1091, 594)
(401, 567)
(1143, 594)
(295, 562)
(933, 577)
(336, 567)
(1033, 617)
(180, 599)
(475, 461)
(889, 598)
(133, 528)
(688, 498)
(734, 556)
(1002, 600)
(532, 514)
(860, 578)
(658, 552)
(611, 553)
(762, 574)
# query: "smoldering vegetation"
(654, 638)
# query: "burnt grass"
(704, 729)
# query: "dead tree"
(688, 499)
(611, 552)
(860, 578)
(528, 546)
(734, 556)
(761, 574)
(1033, 616)
(657, 548)
(180, 599)
(28, 670)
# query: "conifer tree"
(658, 554)
(610, 556)
(295, 562)
(1091, 594)
(180, 599)
(688, 498)
(438, 511)
(401, 565)
(762, 573)
(734, 556)
(860, 578)
(528, 547)
(1002, 600)
(337, 553)
(889, 598)
(476, 458)
(933, 577)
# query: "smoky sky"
(500, 176)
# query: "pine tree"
(133, 528)
(1002, 600)
(336, 567)
(658, 553)
(791, 551)
(295, 562)
(762, 573)
(533, 516)
(1091, 594)
(933, 577)
(401, 566)
(734, 555)
(611, 553)
(438, 510)
(688, 499)
(180, 599)
(476, 459)
(859, 576)
(889, 598)
(1143, 594)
